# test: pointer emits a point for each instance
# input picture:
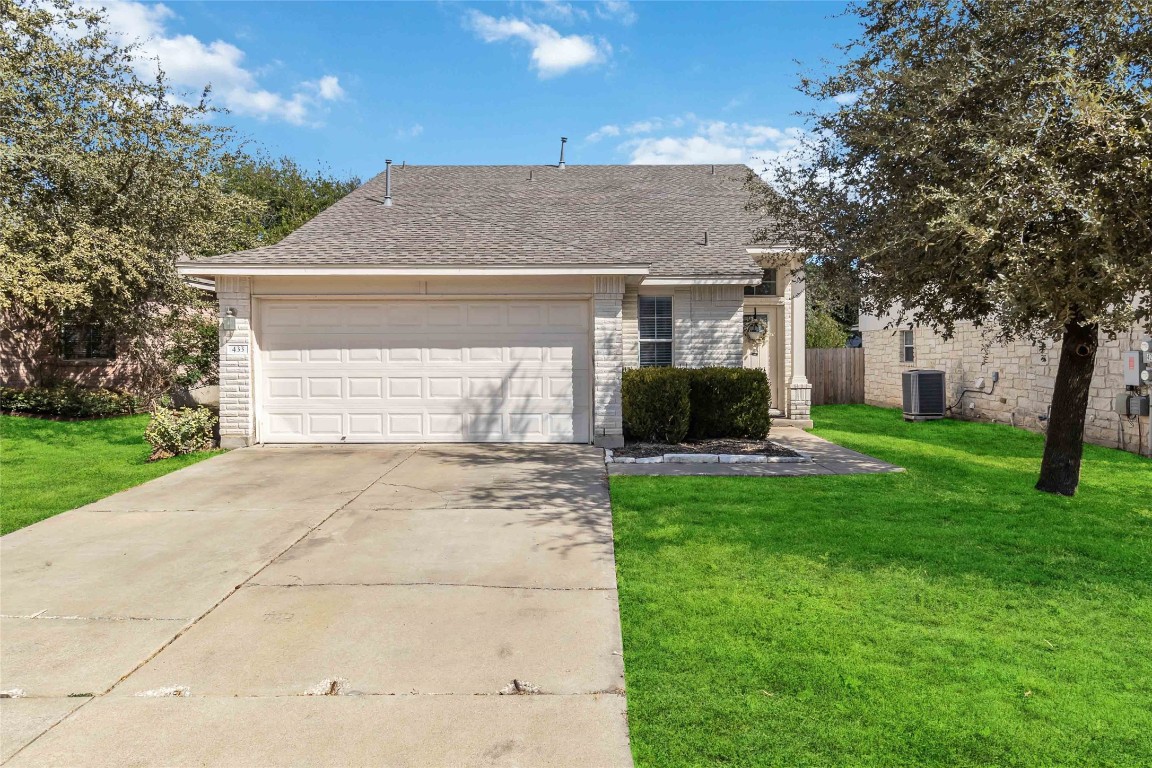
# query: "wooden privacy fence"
(836, 375)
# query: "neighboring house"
(498, 303)
(1026, 376)
(84, 353)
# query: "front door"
(768, 353)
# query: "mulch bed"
(730, 446)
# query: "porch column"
(608, 361)
(236, 418)
(800, 391)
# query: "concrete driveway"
(398, 606)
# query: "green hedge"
(69, 400)
(674, 404)
(656, 404)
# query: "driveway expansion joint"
(215, 605)
(44, 616)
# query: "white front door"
(768, 354)
(423, 371)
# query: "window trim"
(107, 343)
(670, 341)
(907, 346)
(756, 290)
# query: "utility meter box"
(1132, 405)
(1133, 366)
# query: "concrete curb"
(610, 457)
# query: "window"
(655, 321)
(83, 341)
(767, 286)
(907, 347)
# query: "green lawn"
(48, 467)
(946, 616)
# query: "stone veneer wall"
(707, 322)
(1027, 377)
(608, 359)
(235, 372)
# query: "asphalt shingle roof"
(453, 216)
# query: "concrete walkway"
(827, 459)
(331, 606)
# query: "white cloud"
(616, 10)
(847, 98)
(602, 132)
(189, 63)
(410, 132)
(556, 10)
(552, 53)
(327, 87)
(708, 141)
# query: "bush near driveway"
(949, 616)
(177, 431)
(655, 404)
(48, 467)
(669, 405)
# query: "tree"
(987, 161)
(823, 331)
(291, 196)
(105, 179)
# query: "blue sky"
(346, 85)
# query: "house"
(499, 303)
(77, 351)
(1009, 383)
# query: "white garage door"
(423, 371)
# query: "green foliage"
(291, 195)
(669, 405)
(105, 179)
(728, 402)
(176, 431)
(52, 467)
(193, 352)
(987, 162)
(945, 617)
(823, 331)
(655, 404)
(69, 400)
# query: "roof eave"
(362, 270)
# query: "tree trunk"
(1060, 470)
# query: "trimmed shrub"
(729, 402)
(668, 405)
(68, 400)
(175, 431)
(655, 404)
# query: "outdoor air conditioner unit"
(923, 395)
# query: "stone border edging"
(610, 457)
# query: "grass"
(945, 616)
(48, 467)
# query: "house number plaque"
(237, 350)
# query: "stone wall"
(608, 359)
(1024, 391)
(707, 330)
(236, 430)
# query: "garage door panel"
(424, 371)
(365, 387)
(361, 425)
(405, 388)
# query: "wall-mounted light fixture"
(228, 322)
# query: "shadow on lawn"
(966, 508)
